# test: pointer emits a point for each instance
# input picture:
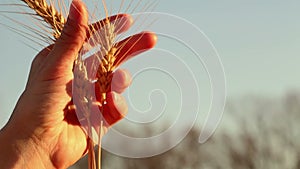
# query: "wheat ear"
(105, 71)
(49, 14)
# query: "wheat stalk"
(82, 84)
(85, 97)
(105, 70)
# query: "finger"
(121, 22)
(134, 45)
(115, 109)
(121, 80)
(68, 45)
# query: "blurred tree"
(266, 136)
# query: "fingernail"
(74, 13)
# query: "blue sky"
(258, 42)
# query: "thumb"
(66, 48)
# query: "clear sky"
(258, 42)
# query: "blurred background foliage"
(265, 136)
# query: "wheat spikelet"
(53, 17)
(104, 72)
(49, 14)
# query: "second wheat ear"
(51, 16)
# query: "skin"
(42, 133)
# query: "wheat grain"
(49, 14)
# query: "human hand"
(42, 132)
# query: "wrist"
(19, 151)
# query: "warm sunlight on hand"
(42, 132)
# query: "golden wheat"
(49, 14)
(105, 71)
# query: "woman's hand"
(42, 132)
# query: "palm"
(58, 128)
(70, 144)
